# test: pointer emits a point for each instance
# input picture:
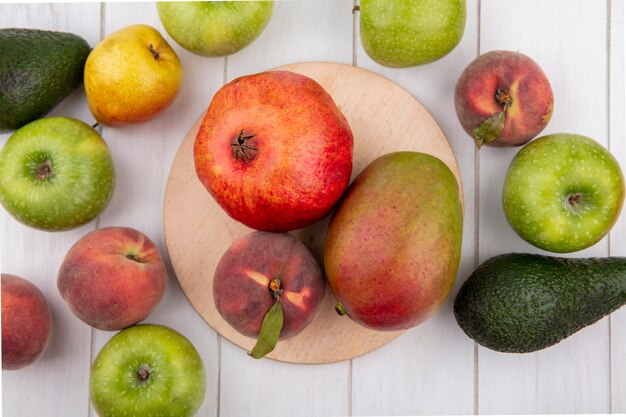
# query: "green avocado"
(524, 303)
(38, 69)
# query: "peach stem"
(134, 257)
(275, 288)
(504, 98)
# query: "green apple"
(215, 28)
(405, 33)
(56, 173)
(147, 370)
(563, 192)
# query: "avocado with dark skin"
(524, 303)
(38, 69)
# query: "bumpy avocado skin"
(38, 69)
(524, 303)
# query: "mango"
(393, 243)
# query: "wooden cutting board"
(384, 118)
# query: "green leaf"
(270, 331)
(490, 129)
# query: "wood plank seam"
(609, 132)
(477, 222)
(355, 26)
(615, 96)
(220, 339)
(100, 129)
(219, 372)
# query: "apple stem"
(573, 201)
(240, 145)
(153, 51)
(143, 373)
(275, 288)
(44, 171)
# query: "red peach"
(112, 278)
(508, 84)
(244, 274)
(26, 322)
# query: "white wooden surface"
(433, 369)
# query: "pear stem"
(153, 51)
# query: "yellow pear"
(131, 76)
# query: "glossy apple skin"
(215, 28)
(520, 77)
(404, 33)
(26, 322)
(243, 274)
(175, 382)
(132, 76)
(543, 177)
(79, 181)
(297, 163)
(112, 278)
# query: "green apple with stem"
(563, 192)
(56, 173)
(147, 370)
(215, 28)
(405, 33)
